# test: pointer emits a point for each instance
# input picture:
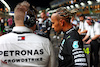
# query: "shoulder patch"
(75, 44)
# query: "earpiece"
(92, 21)
(29, 19)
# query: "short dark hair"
(66, 14)
(63, 11)
(82, 15)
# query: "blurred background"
(86, 7)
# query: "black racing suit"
(46, 26)
(71, 52)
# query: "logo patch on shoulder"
(75, 44)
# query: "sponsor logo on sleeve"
(75, 44)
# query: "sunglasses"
(88, 19)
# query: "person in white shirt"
(40, 23)
(23, 48)
(93, 33)
(83, 26)
(73, 21)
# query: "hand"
(45, 31)
(83, 40)
(41, 30)
(80, 33)
(88, 42)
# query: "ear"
(61, 21)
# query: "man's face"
(88, 20)
(55, 24)
(43, 16)
(81, 18)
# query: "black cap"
(81, 15)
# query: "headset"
(92, 21)
(30, 18)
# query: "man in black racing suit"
(71, 52)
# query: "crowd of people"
(5, 23)
(28, 44)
